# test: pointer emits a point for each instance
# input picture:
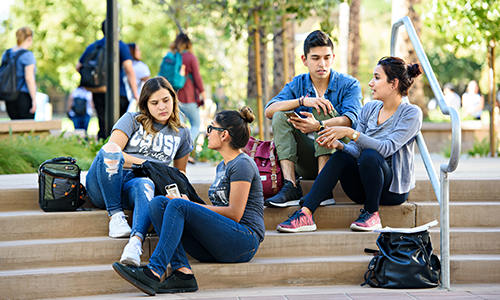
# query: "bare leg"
(322, 161)
(288, 168)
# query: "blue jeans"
(191, 111)
(110, 187)
(81, 122)
(365, 181)
(184, 226)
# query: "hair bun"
(414, 70)
(246, 114)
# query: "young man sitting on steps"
(321, 98)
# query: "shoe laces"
(363, 216)
(119, 219)
(294, 215)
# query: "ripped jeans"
(184, 226)
(114, 189)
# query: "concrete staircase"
(48, 255)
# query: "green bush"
(24, 153)
(480, 148)
(203, 153)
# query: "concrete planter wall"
(438, 135)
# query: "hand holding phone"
(292, 113)
(172, 190)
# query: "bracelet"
(301, 101)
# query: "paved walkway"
(459, 292)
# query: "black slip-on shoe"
(136, 276)
(174, 284)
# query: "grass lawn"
(67, 125)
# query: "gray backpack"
(59, 185)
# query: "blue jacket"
(344, 92)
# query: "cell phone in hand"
(172, 190)
(292, 113)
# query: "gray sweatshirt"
(395, 137)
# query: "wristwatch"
(321, 126)
(355, 135)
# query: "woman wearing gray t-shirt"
(156, 134)
(229, 231)
(376, 166)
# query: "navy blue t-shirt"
(124, 55)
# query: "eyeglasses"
(210, 127)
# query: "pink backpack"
(264, 155)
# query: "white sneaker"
(132, 253)
(118, 226)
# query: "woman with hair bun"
(377, 166)
(24, 106)
(229, 231)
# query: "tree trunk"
(279, 79)
(491, 97)
(405, 48)
(252, 78)
(354, 38)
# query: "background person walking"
(24, 106)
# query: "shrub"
(24, 153)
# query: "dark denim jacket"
(344, 92)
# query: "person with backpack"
(156, 134)
(92, 67)
(142, 72)
(80, 108)
(229, 231)
(190, 86)
(21, 101)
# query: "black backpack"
(59, 185)
(79, 106)
(93, 70)
(8, 78)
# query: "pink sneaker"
(298, 222)
(367, 221)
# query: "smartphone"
(292, 113)
(173, 190)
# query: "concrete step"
(462, 214)
(260, 272)
(341, 215)
(44, 253)
(29, 254)
(466, 190)
(346, 242)
(15, 197)
(36, 224)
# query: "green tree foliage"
(466, 23)
(62, 29)
(462, 31)
(218, 29)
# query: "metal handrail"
(442, 189)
